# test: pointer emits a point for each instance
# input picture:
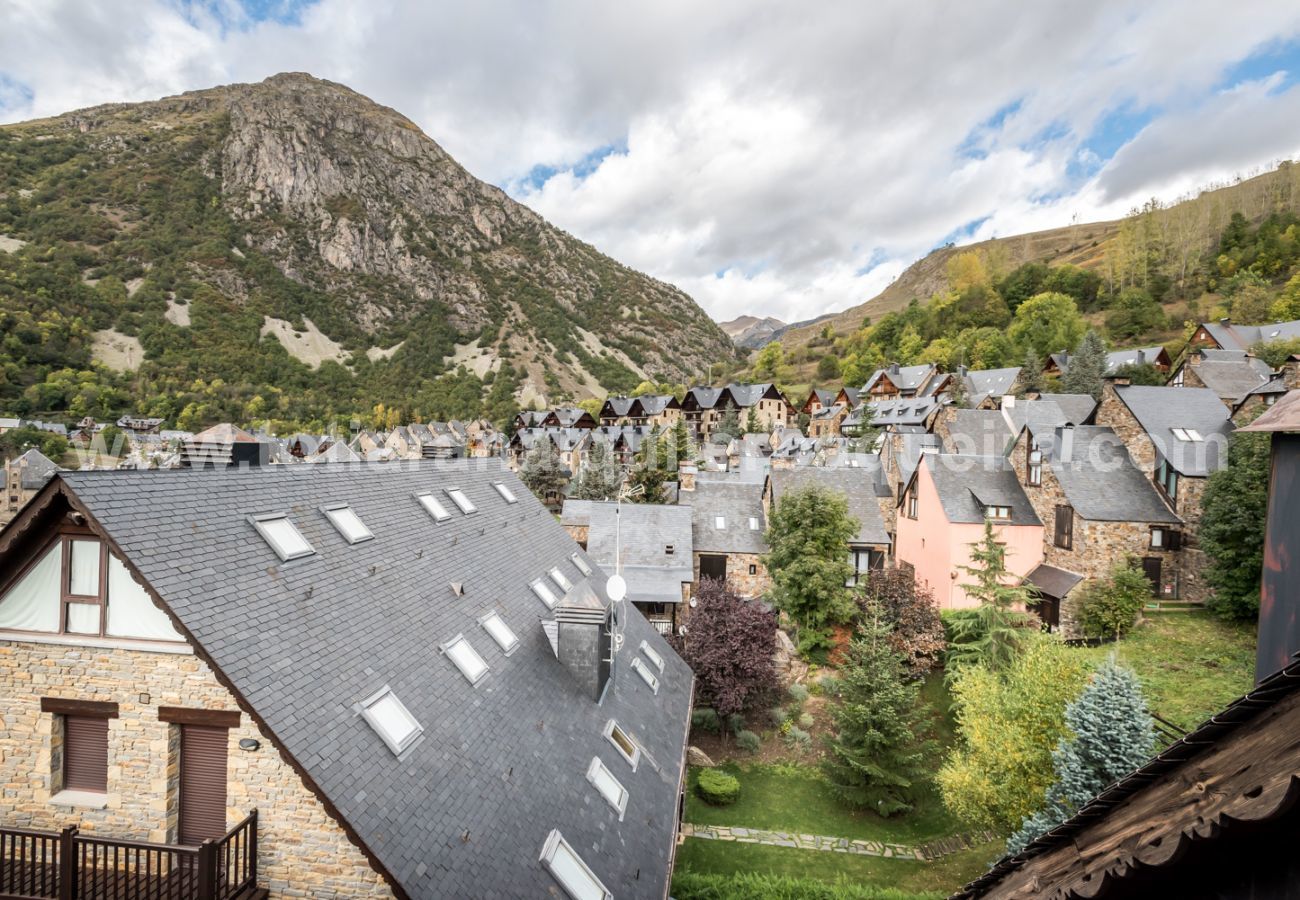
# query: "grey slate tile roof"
(984, 383)
(1098, 478)
(654, 404)
(1232, 376)
(902, 411)
(911, 445)
(1052, 581)
(704, 397)
(1048, 412)
(35, 469)
(617, 406)
(648, 530)
(966, 484)
(980, 431)
(737, 502)
(905, 378)
(1231, 336)
(465, 812)
(747, 395)
(857, 486)
(1161, 409)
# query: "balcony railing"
(66, 865)
(663, 626)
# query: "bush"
(806, 721)
(916, 633)
(798, 693)
(735, 723)
(797, 737)
(777, 715)
(748, 741)
(753, 886)
(706, 719)
(716, 787)
(1109, 608)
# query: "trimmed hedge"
(751, 886)
(716, 787)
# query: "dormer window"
(566, 867)
(999, 513)
(390, 719)
(463, 503)
(544, 593)
(433, 506)
(281, 534)
(505, 492)
(345, 519)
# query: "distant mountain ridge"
(753, 333)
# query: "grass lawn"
(1191, 664)
(941, 876)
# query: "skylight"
(559, 578)
(391, 720)
(463, 503)
(282, 535)
(466, 658)
(653, 655)
(623, 742)
(604, 781)
(719, 522)
(544, 593)
(583, 566)
(505, 492)
(566, 867)
(1187, 434)
(753, 523)
(646, 675)
(500, 631)
(434, 507)
(348, 523)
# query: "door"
(1048, 610)
(1151, 568)
(203, 783)
(713, 567)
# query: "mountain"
(313, 253)
(753, 333)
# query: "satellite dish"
(616, 587)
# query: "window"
(623, 742)
(604, 781)
(544, 593)
(348, 523)
(911, 504)
(583, 566)
(85, 754)
(1178, 378)
(1157, 538)
(653, 655)
(83, 595)
(720, 522)
(500, 631)
(283, 536)
(753, 523)
(434, 507)
(1065, 527)
(463, 503)
(505, 492)
(1000, 513)
(1034, 475)
(1187, 434)
(1167, 478)
(646, 675)
(466, 658)
(391, 720)
(753, 569)
(669, 550)
(1166, 538)
(566, 867)
(83, 572)
(559, 578)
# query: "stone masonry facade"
(302, 850)
(738, 573)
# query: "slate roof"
(1159, 410)
(35, 468)
(981, 431)
(1098, 478)
(648, 529)
(905, 378)
(968, 483)
(617, 406)
(911, 447)
(737, 502)
(654, 404)
(857, 486)
(1232, 375)
(503, 761)
(1051, 581)
(335, 452)
(1049, 412)
(747, 395)
(984, 383)
(1231, 336)
(902, 411)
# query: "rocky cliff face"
(352, 201)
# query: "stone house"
(943, 511)
(828, 421)
(405, 671)
(402, 444)
(24, 476)
(985, 388)
(818, 399)
(727, 527)
(900, 452)
(1177, 437)
(1059, 363)
(704, 407)
(1228, 335)
(1231, 374)
(902, 381)
(1097, 510)
(863, 489)
(662, 410)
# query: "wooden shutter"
(85, 753)
(1173, 539)
(1065, 527)
(203, 783)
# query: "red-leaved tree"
(917, 632)
(730, 644)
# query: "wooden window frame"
(1063, 538)
(1034, 465)
(913, 504)
(67, 598)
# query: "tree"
(683, 445)
(957, 394)
(651, 471)
(731, 648)
(993, 633)
(1031, 374)
(769, 362)
(542, 472)
(1110, 607)
(876, 760)
(599, 477)
(1142, 373)
(729, 424)
(1287, 307)
(752, 425)
(808, 536)
(1132, 313)
(1234, 509)
(1047, 323)
(1007, 724)
(1087, 369)
(1110, 733)
(916, 631)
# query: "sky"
(767, 157)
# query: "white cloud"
(808, 157)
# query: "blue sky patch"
(538, 175)
(961, 232)
(14, 94)
(975, 144)
(1275, 56)
(283, 12)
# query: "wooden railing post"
(252, 849)
(68, 863)
(207, 882)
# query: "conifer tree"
(1031, 374)
(599, 477)
(542, 472)
(992, 634)
(730, 422)
(752, 425)
(877, 757)
(682, 442)
(1087, 367)
(1110, 734)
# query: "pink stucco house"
(942, 512)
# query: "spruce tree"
(1087, 367)
(542, 472)
(729, 424)
(1110, 735)
(877, 756)
(1031, 374)
(992, 634)
(599, 477)
(682, 442)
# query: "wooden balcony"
(66, 865)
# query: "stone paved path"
(929, 851)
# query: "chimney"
(1065, 443)
(1225, 321)
(686, 473)
(583, 642)
(893, 368)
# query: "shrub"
(1109, 608)
(806, 721)
(798, 693)
(916, 633)
(706, 719)
(797, 737)
(735, 723)
(748, 741)
(717, 788)
(730, 646)
(777, 715)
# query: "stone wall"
(302, 851)
(738, 576)
(1113, 413)
(579, 533)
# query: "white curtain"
(33, 603)
(84, 581)
(131, 612)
